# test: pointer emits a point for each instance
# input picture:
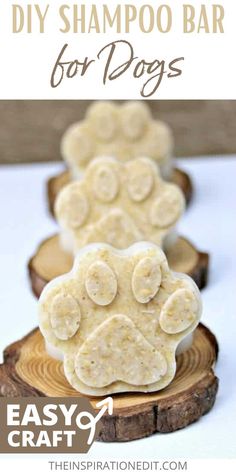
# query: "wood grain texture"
(50, 261)
(29, 371)
(56, 183)
(31, 130)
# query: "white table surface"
(210, 222)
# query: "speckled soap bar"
(119, 204)
(118, 318)
(125, 131)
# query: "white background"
(27, 60)
(209, 222)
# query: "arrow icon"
(107, 404)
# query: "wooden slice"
(50, 261)
(55, 184)
(183, 180)
(29, 371)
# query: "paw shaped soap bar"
(124, 131)
(118, 318)
(118, 204)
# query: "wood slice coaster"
(29, 371)
(55, 184)
(50, 261)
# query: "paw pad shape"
(118, 204)
(125, 131)
(118, 318)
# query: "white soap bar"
(118, 318)
(126, 131)
(57, 353)
(119, 204)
